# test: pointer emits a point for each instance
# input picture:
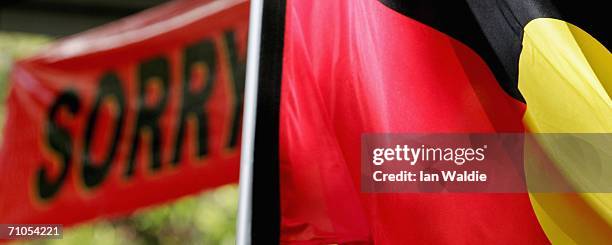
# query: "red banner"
(134, 113)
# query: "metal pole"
(243, 226)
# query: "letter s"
(59, 140)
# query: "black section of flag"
(266, 189)
(494, 28)
(503, 22)
(455, 19)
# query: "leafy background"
(208, 218)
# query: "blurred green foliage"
(208, 218)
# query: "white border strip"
(243, 226)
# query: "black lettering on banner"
(109, 89)
(156, 70)
(237, 76)
(199, 56)
(199, 72)
(60, 142)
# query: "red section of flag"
(121, 69)
(354, 67)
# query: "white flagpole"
(243, 226)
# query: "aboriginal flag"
(331, 71)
